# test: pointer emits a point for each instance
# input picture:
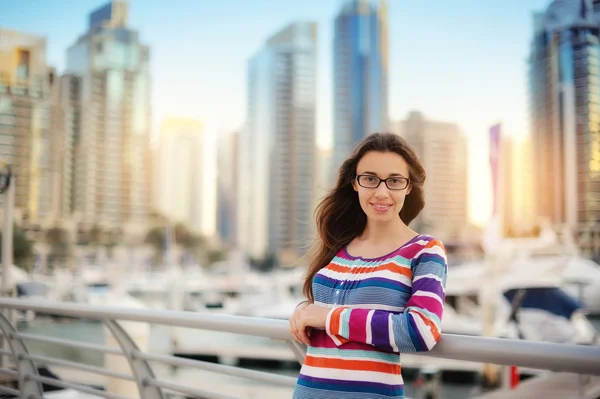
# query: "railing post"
(140, 367)
(27, 386)
(7, 185)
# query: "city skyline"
(473, 75)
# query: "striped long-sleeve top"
(380, 308)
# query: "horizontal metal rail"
(72, 344)
(9, 372)
(269, 328)
(195, 392)
(580, 359)
(535, 355)
(261, 376)
(5, 353)
(77, 387)
(9, 391)
(80, 366)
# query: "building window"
(5, 104)
(22, 65)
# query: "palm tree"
(96, 236)
(193, 244)
(22, 249)
(58, 240)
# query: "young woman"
(375, 287)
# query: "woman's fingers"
(304, 336)
(298, 327)
(300, 332)
(293, 328)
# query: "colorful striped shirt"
(380, 307)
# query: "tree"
(193, 244)
(265, 264)
(157, 217)
(183, 236)
(187, 239)
(215, 255)
(156, 238)
(58, 240)
(96, 236)
(22, 249)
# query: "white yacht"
(529, 304)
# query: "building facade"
(179, 172)
(518, 213)
(25, 123)
(442, 150)
(278, 145)
(109, 68)
(65, 119)
(564, 86)
(360, 73)
(227, 187)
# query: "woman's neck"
(385, 232)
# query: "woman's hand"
(306, 317)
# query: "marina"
(537, 307)
(222, 332)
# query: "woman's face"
(382, 203)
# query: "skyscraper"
(564, 90)
(179, 172)
(360, 73)
(443, 152)
(227, 187)
(25, 131)
(325, 180)
(64, 123)
(277, 149)
(518, 216)
(111, 182)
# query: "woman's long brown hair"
(339, 216)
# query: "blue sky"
(463, 61)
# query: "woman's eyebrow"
(390, 175)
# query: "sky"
(462, 61)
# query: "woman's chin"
(381, 216)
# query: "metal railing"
(578, 359)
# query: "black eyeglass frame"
(386, 182)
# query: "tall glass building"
(227, 187)
(565, 113)
(111, 183)
(360, 73)
(277, 147)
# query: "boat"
(531, 302)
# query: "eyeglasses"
(393, 183)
